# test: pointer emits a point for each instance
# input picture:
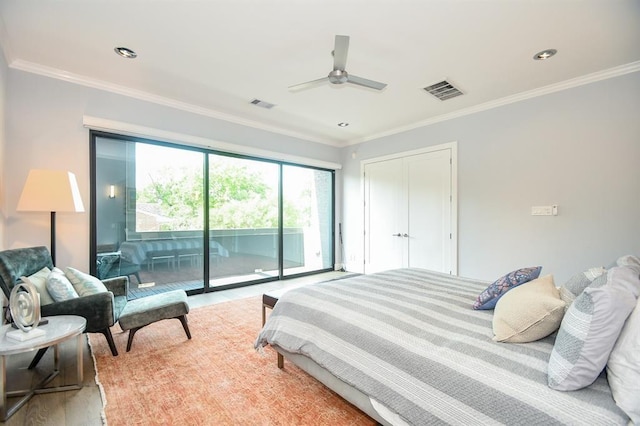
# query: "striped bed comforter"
(409, 339)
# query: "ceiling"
(215, 57)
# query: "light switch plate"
(542, 211)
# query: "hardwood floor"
(84, 407)
(81, 407)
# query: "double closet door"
(409, 214)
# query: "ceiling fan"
(339, 75)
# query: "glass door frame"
(206, 287)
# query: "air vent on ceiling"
(443, 90)
(262, 104)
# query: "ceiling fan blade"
(340, 52)
(365, 82)
(308, 84)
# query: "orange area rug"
(216, 378)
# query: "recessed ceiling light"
(125, 52)
(343, 124)
(545, 54)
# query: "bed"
(406, 348)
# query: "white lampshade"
(50, 191)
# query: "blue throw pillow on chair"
(84, 284)
(59, 286)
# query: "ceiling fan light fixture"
(125, 52)
(338, 76)
(545, 54)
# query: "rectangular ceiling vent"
(262, 104)
(443, 90)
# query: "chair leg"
(36, 359)
(130, 340)
(132, 332)
(138, 277)
(109, 337)
(183, 320)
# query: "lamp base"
(22, 336)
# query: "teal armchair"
(101, 310)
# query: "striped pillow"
(591, 327)
(84, 284)
(576, 284)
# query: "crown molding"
(552, 88)
(184, 106)
(58, 74)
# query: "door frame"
(453, 147)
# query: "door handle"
(405, 235)
(396, 235)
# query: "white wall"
(44, 129)
(3, 204)
(579, 148)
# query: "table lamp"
(50, 191)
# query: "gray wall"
(44, 130)
(579, 148)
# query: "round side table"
(57, 330)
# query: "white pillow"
(627, 260)
(591, 327)
(623, 367)
(39, 281)
(528, 312)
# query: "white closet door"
(383, 248)
(429, 211)
(408, 212)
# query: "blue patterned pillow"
(59, 286)
(489, 297)
(84, 284)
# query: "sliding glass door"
(243, 219)
(168, 216)
(149, 215)
(307, 217)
